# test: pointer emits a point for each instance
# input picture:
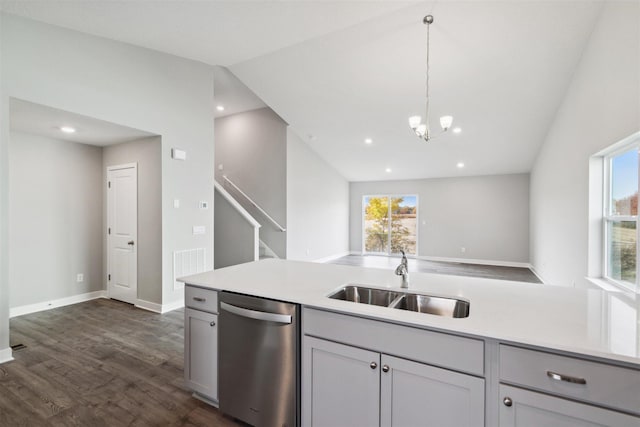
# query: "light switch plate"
(176, 203)
(178, 154)
(199, 229)
(203, 205)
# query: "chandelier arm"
(427, 85)
(434, 136)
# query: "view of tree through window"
(390, 224)
(621, 218)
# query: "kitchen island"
(526, 352)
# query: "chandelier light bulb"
(421, 130)
(446, 121)
(414, 121)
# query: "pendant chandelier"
(422, 130)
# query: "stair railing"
(254, 204)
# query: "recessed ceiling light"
(67, 129)
(387, 170)
(368, 141)
(457, 130)
(460, 165)
(220, 108)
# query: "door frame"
(133, 165)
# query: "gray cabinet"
(524, 408)
(349, 386)
(201, 343)
(415, 394)
(345, 385)
(538, 388)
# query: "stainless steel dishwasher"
(259, 355)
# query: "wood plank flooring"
(454, 268)
(100, 363)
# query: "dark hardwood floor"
(100, 363)
(519, 274)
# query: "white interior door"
(122, 232)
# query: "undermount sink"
(449, 307)
(364, 295)
(419, 303)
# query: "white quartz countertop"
(590, 322)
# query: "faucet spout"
(403, 270)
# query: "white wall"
(146, 153)
(252, 147)
(139, 88)
(5, 350)
(317, 205)
(235, 238)
(55, 211)
(487, 215)
(601, 107)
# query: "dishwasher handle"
(258, 315)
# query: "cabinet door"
(531, 409)
(341, 385)
(414, 394)
(201, 352)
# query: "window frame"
(389, 196)
(609, 218)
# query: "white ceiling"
(344, 71)
(233, 95)
(46, 121)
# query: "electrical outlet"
(463, 249)
(308, 251)
(80, 278)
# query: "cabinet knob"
(507, 401)
(212, 324)
(373, 365)
(385, 368)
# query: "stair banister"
(254, 204)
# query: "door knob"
(212, 324)
(373, 365)
(385, 368)
(507, 401)
(131, 242)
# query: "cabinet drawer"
(606, 385)
(201, 299)
(421, 345)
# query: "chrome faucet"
(403, 270)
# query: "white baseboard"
(332, 257)
(6, 355)
(61, 302)
(159, 308)
(476, 261)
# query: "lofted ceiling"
(342, 71)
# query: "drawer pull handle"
(567, 378)
(199, 299)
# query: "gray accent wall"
(147, 154)
(252, 148)
(317, 205)
(487, 215)
(600, 108)
(56, 219)
(234, 239)
(135, 87)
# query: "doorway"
(390, 224)
(122, 232)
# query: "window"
(621, 216)
(390, 224)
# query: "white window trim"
(623, 146)
(389, 196)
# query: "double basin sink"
(420, 303)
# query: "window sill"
(609, 286)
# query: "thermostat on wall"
(204, 205)
(178, 154)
